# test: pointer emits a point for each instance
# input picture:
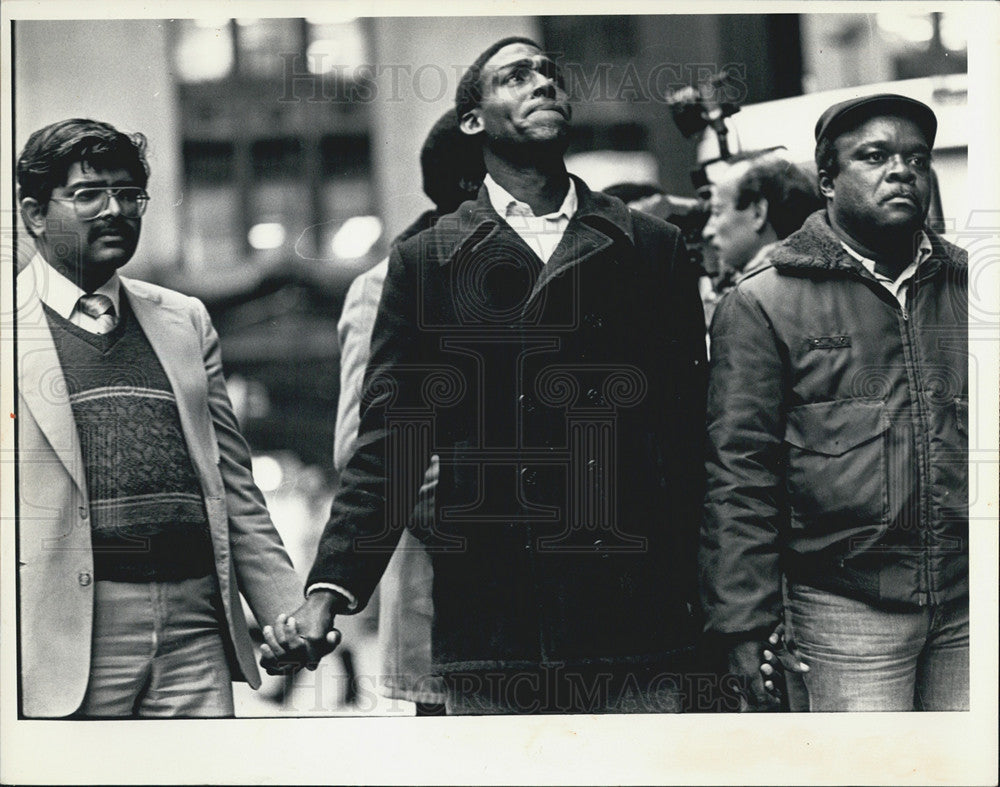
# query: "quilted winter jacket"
(838, 434)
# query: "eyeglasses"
(89, 203)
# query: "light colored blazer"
(55, 562)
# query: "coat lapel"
(585, 236)
(41, 382)
(578, 243)
(478, 224)
(177, 346)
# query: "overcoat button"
(529, 475)
(84, 578)
(84, 513)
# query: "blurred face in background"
(733, 234)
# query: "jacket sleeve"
(378, 488)
(264, 572)
(684, 438)
(739, 569)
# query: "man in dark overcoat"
(546, 343)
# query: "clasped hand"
(300, 639)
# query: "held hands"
(780, 657)
(302, 638)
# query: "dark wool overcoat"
(566, 404)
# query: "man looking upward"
(547, 344)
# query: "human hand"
(780, 657)
(745, 659)
(302, 638)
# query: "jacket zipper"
(926, 594)
(924, 590)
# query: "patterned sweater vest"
(147, 514)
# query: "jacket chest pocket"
(836, 453)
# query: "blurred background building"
(284, 155)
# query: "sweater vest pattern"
(148, 518)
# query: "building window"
(272, 176)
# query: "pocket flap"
(834, 428)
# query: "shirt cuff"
(352, 601)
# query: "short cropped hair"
(470, 87)
(790, 193)
(50, 152)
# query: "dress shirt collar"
(61, 295)
(505, 204)
(923, 252)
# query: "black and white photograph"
(499, 393)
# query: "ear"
(471, 122)
(33, 216)
(760, 214)
(825, 184)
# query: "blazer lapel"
(41, 382)
(178, 348)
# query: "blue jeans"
(866, 658)
(157, 651)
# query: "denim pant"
(157, 651)
(866, 658)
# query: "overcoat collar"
(599, 222)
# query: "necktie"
(101, 309)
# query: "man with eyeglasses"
(139, 524)
(547, 344)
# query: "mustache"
(112, 226)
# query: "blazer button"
(84, 578)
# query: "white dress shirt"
(897, 286)
(541, 233)
(62, 295)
